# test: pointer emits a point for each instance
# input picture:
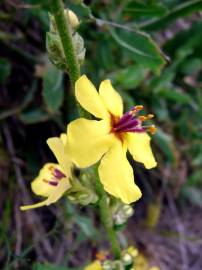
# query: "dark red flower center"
(56, 176)
(131, 122)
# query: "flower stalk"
(63, 27)
(106, 217)
(64, 31)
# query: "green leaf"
(5, 69)
(181, 10)
(141, 48)
(138, 9)
(53, 91)
(190, 66)
(195, 178)
(128, 78)
(34, 116)
(175, 95)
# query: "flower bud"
(121, 213)
(107, 265)
(118, 265)
(73, 19)
(72, 199)
(79, 47)
(128, 210)
(132, 251)
(87, 198)
(127, 259)
(55, 50)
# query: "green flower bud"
(107, 265)
(127, 259)
(118, 265)
(71, 17)
(54, 45)
(79, 47)
(128, 210)
(55, 50)
(121, 213)
(72, 199)
(87, 198)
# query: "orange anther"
(44, 180)
(101, 255)
(142, 118)
(149, 116)
(139, 107)
(152, 129)
(50, 167)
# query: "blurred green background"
(152, 52)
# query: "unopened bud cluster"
(82, 191)
(54, 45)
(121, 213)
(126, 261)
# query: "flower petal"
(63, 186)
(63, 137)
(88, 97)
(96, 265)
(87, 141)
(139, 146)
(111, 98)
(116, 175)
(57, 147)
(40, 184)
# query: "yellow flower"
(53, 179)
(142, 263)
(96, 265)
(108, 139)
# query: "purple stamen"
(124, 118)
(130, 122)
(137, 129)
(58, 174)
(127, 125)
(53, 183)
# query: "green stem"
(57, 9)
(106, 217)
(64, 30)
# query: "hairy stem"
(57, 9)
(64, 31)
(106, 217)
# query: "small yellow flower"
(142, 263)
(108, 139)
(96, 265)
(53, 179)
